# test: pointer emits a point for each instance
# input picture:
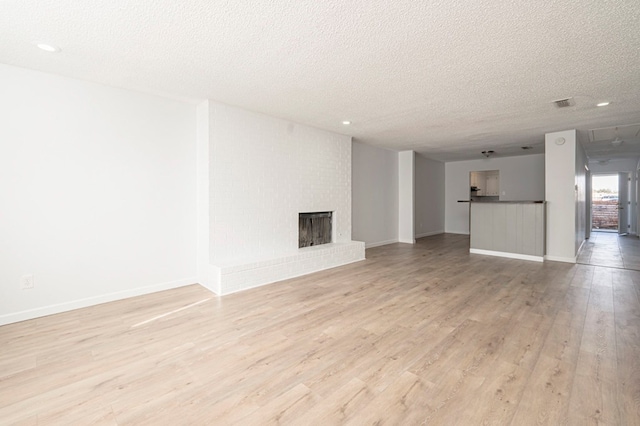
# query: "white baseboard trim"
(91, 301)
(428, 234)
(380, 243)
(408, 241)
(561, 259)
(508, 255)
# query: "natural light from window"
(604, 213)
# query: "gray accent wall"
(374, 180)
(429, 197)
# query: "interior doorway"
(610, 203)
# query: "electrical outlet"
(26, 282)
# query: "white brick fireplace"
(262, 173)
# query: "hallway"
(612, 250)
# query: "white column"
(560, 194)
(406, 197)
(202, 183)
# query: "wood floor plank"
(496, 400)
(340, 406)
(16, 365)
(457, 389)
(406, 401)
(86, 414)
(546, 396)
(284, 409)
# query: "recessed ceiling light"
(603, 104)
(48, 47)
(346, 122)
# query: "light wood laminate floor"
(425, 334)
(612, 250)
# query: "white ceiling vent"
(563, 103)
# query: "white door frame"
(624, 206)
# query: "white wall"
(429, 197)
(264, 172)
(374, 195)
(406, 197)
(97, 193)
(521, 178)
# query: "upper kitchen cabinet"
(492, 184)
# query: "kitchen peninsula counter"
(502, 202)
(514, 229)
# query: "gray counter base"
(514, 230)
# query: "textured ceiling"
(445, 78)
(600, 143)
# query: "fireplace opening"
(314, 229)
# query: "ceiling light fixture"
(346, 122)
(488, 153)
(47, 47)
(617, 141)
(603, 104)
